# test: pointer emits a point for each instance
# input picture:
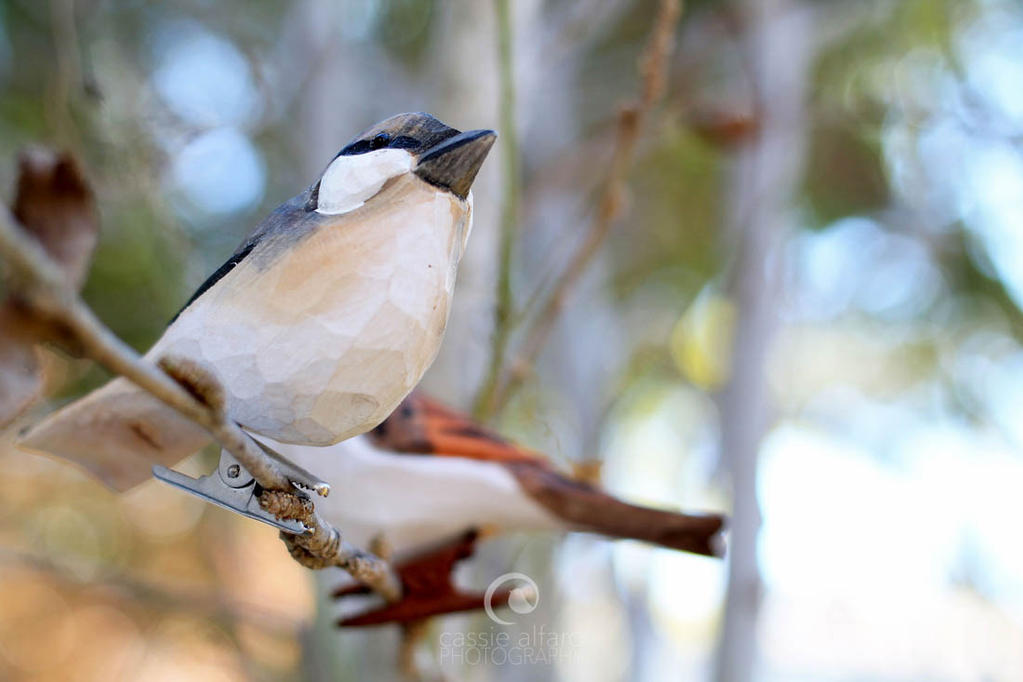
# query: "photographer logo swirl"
(523, 599)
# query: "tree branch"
(504, 314)
(42, 288)
(653, 69)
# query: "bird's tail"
(117, 433)
(584, 507)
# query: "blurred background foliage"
(888, 470)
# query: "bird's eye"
(380, 141)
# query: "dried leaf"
(56, 205)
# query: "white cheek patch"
(350, 180)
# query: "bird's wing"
(424, 426)
(290, 216)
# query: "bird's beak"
(453, 163)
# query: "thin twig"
(653, 69)
(504, 314)
(42, 286)
(68, 69)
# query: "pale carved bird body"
(326, 316)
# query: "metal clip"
(230, 487)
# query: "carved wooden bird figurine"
(325, 317)
(429, 478)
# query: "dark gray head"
(416, 142)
